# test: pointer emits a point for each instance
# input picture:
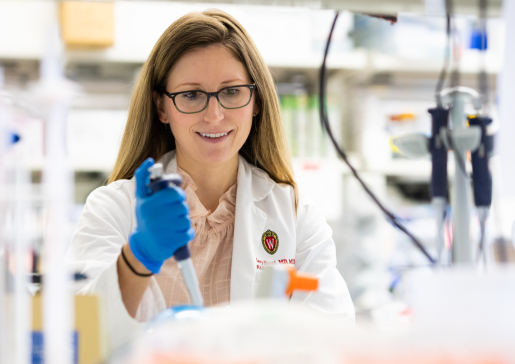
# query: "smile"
(206, 135)
(214, 137)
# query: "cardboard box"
(89, 336)
(87, 24)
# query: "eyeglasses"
(231, 97)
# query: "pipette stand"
(464, 138)
(461, 139)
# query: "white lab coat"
(261, 204)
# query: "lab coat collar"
(250, 178)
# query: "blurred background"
(381, 81)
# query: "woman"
(205, 106)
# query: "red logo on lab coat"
(270, 242)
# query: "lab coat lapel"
(248, 227)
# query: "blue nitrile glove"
(163, 221)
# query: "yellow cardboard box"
(87, 24)
(89, 326)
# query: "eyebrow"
(198, 84)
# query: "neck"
(212, 180)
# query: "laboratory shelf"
(416, 170)
(299, 36)
(470, 63)
(360, 60)
(38, 164)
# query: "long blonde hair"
(145, 136)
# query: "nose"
(213, 112)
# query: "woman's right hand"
(163, 222)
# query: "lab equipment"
(478, 39)
(462, 139)
(182, 255)
(177, 313)
(439, 181)
(155, 239)
(482, 178)
(3, 266)
(53, 95)
(14, 244)
(261, 331)
(280, 281)
(394, 220)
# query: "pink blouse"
(211, 250)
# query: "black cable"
(484, 91)
(325, 124)
(483, 77)
(481, 246)
(455, 77)
(443, 73)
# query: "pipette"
(481, 177)
(158, 182)
(439, 182)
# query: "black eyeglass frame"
(172, 95)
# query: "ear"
(158, 101)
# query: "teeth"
(213, 135)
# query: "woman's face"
(207, 69)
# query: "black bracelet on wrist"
(134, 270)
